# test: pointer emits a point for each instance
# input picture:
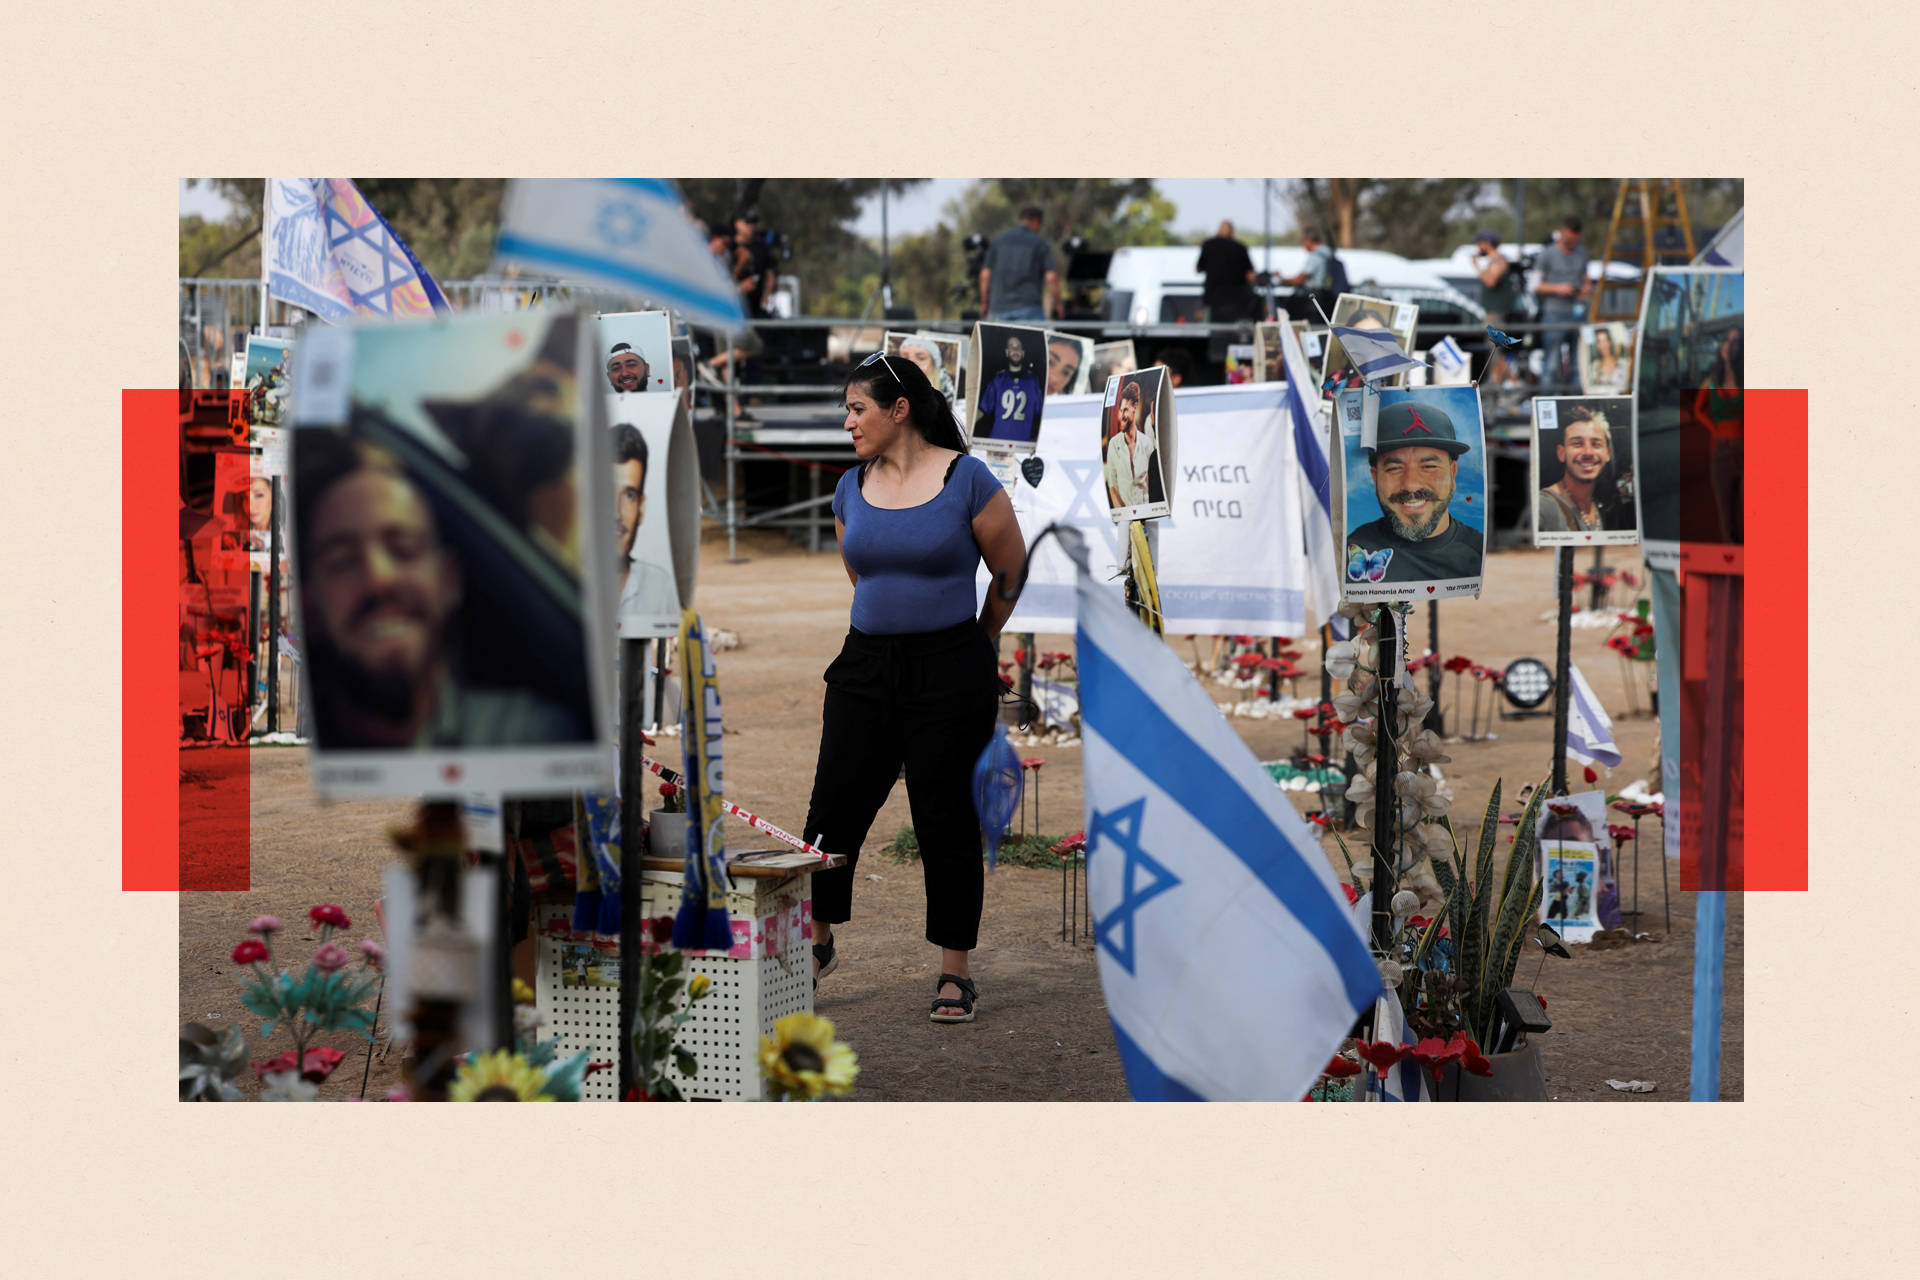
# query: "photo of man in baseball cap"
(1422, 534)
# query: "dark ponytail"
(892, 378)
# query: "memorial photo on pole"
(448, 542)
(1007, 385)
(1136, 407)
(1069, 364)
(1606, 358)
(1415, 500)
(1583, 471)
(1353, 310)
(656, 512)
(1110, 358)
(636, 350)
(941, 356)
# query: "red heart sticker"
(1429, 590)
(515, 337)
(1589, 537)
(1729, 556)
(451, 772)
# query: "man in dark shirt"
(1562, 290)
(1416, 464)
(1228, 268)
(1018, 280)
(753, 265)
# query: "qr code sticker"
(1403, 317)
(1549, 411)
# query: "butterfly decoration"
(1033, 468)
(1365, 567)
(1505, 340)
(1333, 383)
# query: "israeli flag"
(1374, 353)
(1316, 490)
(630, 234)
(1589, 727)
(1231, 967)
(325, 248)
(1058, 702)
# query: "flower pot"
(1518, 1076)
(666, 835)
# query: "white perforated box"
(767, 975)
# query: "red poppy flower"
(1032, 762)
(1326, 708)
(252, 951)
(1020, 655)
(1381, 1054)
(1434, 1055)
(329, 914)
(1286, 670)
(1071, 844)
(1304, 713)
(1353, 894)
(1243, 639)
(1644, 629)
(1290, 654)
(1620, 834)
(661, 927)
(1542, 999)
(1484, 673)
(1340, 1068)
(1562, 810)
(1319, 819)
(320, 1062)
(1458, 663)
(1471, 1059)
(1316, 760)
(1590, 775)
(1635, 810)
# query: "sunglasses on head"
(881, 357)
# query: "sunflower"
(801, 1059)
(499, 1076)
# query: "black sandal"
(827, 959)
(965, 1002)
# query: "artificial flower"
(527, 1019)
(1434, 1054)
(1360, 789)
(662, 929)
(1019, 655)
(1032, 762)
(1620, 834)
(1362, 741)
(375, 954)
(1591, 776)
(251, 951)
(522, 993)
(1405, 902)
(1422, 790)
(1458, 663)
(1363, 870)
(320, 1062)
(500, 1076)
(265, 925)
(801, 1059)
(1432, 839)
(1382, 1055)
(1340, 1068)
(1071, 844)
(699, 986)
(329, 957)
(1471, 1059)
(1413, 707)
(1353, 894)
(1425, 746)
(328, 914)
(1341, 659)
(1350, 706)
(286, 1086)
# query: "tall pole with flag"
(1200, 872)
(1316, 482)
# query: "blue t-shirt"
(917, 564)
(1013, 402)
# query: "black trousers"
(926, 700)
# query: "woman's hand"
(997, 533)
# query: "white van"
(1160, 284)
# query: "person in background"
(1317, 276)
(1018, 280)
(1562, 293)
(1228, 294)
(752, 265)
(1177, 363)
(1499, 282)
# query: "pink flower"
(1032, 762)
(265, 924)
(398, 1095)
(329, 914)
(375, 953)
(252, 951)
(330, 956)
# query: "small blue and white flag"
(1728, 248)
(1449, 361)
(1374, 353)
(630, 234)
(1589, 727)
(1407, 1080)
(1204, 883)
(1316, 489)
(1059, 702)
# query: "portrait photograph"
(1414, 501)
(1574, 824)
(1069, 364)
(268, 381)
(1357, 312)
(448, 537)
(1583, 471)
(941, 356)
(1130, 422)
(652, 443)
(636, 351)
(1570, 891)
(1606, 358)
(1007, 385)
(1110, 358)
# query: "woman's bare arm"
(1004, 549)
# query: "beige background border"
(105, 106)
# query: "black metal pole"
(1598, 592)
(633, 674)
(659, 682)
(502, 864)
(1561, 675)
(274, 552)
(1435, 720)
(1386, 810)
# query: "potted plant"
(667, 825)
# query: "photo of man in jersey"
(1011, 386)
(1414, 466)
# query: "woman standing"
(918, 681)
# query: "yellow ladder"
(1652, 198)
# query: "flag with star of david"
(634, 235)
(1374, 353)
(327, 250)
(1231, 965)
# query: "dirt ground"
(1042, 1033)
